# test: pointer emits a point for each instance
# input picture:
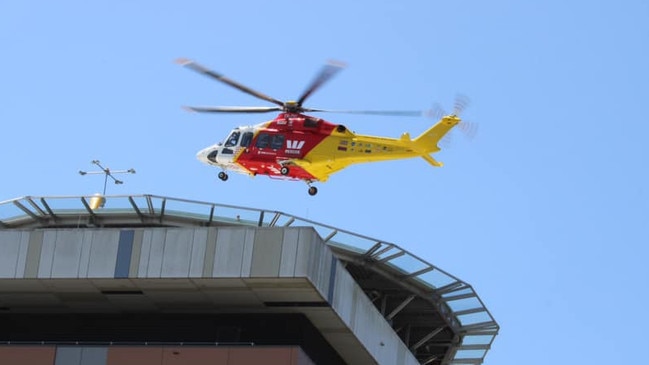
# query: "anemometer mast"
(108, 173)
(99, 200)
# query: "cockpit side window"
(246, 139)
(262, 140)
(233, 139)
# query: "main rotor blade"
(394, 113)
(217, 76)
(232, 109)
(326, 73)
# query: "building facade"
(158, 280)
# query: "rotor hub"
(292, 106)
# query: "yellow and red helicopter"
(297, 146)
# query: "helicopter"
(297, 146)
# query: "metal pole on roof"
(98, 200)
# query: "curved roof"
(438, 316)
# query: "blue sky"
(544, 212)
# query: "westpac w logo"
(294, 145)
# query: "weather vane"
(99, 200)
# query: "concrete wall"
(367, 324)
(165, 253)
(226, 252)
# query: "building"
(156, 280)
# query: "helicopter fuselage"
(302, 147)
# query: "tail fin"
(427, 141)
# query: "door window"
(277, 142)
(262, 140)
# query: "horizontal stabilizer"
(432, 161)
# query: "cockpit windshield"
(233, 139)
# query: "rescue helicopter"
(297, 146)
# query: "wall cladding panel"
(344, 295)
(305, 244)
(210, 252)
(32, 262)
(67, 253)
(68, 355)
(94, 355)
(47, 254)
(229, 253)
(145, 251)
(266, 356)
(27, 355)
(134, 355)
(267, 253)
(177, 253)
(81, 355)
(10, 247)
(187, 355)
(22, 254)
(248, 247)
(154, 239)
(289, 253)
(103, 254)
(197, 258)
(134, 269)
(319, 270)
(84, 260)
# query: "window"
(277, 142)
(246, 139)
(212, 156)
(311, 123)
(233, 139)
(262, 140)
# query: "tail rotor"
(467, 128)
